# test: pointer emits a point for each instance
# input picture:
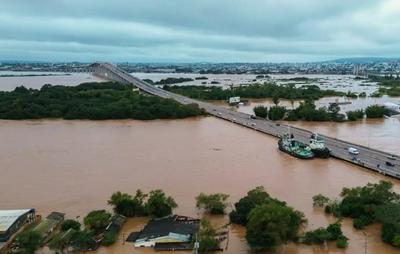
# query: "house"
(47, 226)
(168, 232)
(12, 220)
(116, 223)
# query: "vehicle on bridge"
(390, 164)
(317, 145)
(289, 145)
(353, 151)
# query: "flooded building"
(174, 232)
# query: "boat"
(289, 145)
(317, 146)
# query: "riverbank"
(73, 166)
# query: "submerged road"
(368, 158)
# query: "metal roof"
(8, 217)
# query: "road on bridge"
(369, 158)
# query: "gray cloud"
(199, 30)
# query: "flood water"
(36, 82)
(74, 166)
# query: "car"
(390, 164)
(219, 113)
(391, 157)
(353, 150)
(253, 117)
(253, 124)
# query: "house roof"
(9, 217)
(174, 224)
(57, 216)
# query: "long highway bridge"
(368, 157)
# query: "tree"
(276, 113)
(275, 100)
(354, 115)
(97, 220)
(61, 241)
(127, 205)
(70, 224)
(272, 224)
(159, 205)
(261, 111)
(207, 236)
(320, 200)
(29, 241)
(214, 203)
(375, 111)
(82, 240)
(254, 197)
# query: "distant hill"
(363, 60)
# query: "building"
(48, 225)
(168, 232)
(13, 220)
(234, 100)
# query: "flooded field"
(342, 83)
(74, 166)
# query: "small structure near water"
(168, 233)
(12, 221)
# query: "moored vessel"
(289, 145)
(317, 146)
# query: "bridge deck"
(368, 157)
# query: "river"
(74, 166)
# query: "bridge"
(369, 158)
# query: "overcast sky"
(198, 30)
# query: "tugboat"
(289, 145)
(317, 146)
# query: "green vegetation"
(213, 203)
(93, 101)
(390, 87)
(269, 222)
(169, 81)
(272, 224)
(261, 111)
(375, 111)
(159, 204)
(70, 224)
(97, 220)
(207, 237)
(276, 113)
(156, 204)
(201, 78)
(355, 115)
(109, 238)
(254, 197)
(127, 205)
(82, 240)
(266, 90)
(322, 235)
(28, 241)
(320, 200)
(369, 204)
(351, 95)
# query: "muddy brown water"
(74, 166)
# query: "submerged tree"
(97, 220)
(213, 203)
(207, 236)
(159, 204)
(272, 224)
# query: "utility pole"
(365, 242)
(196, 246)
